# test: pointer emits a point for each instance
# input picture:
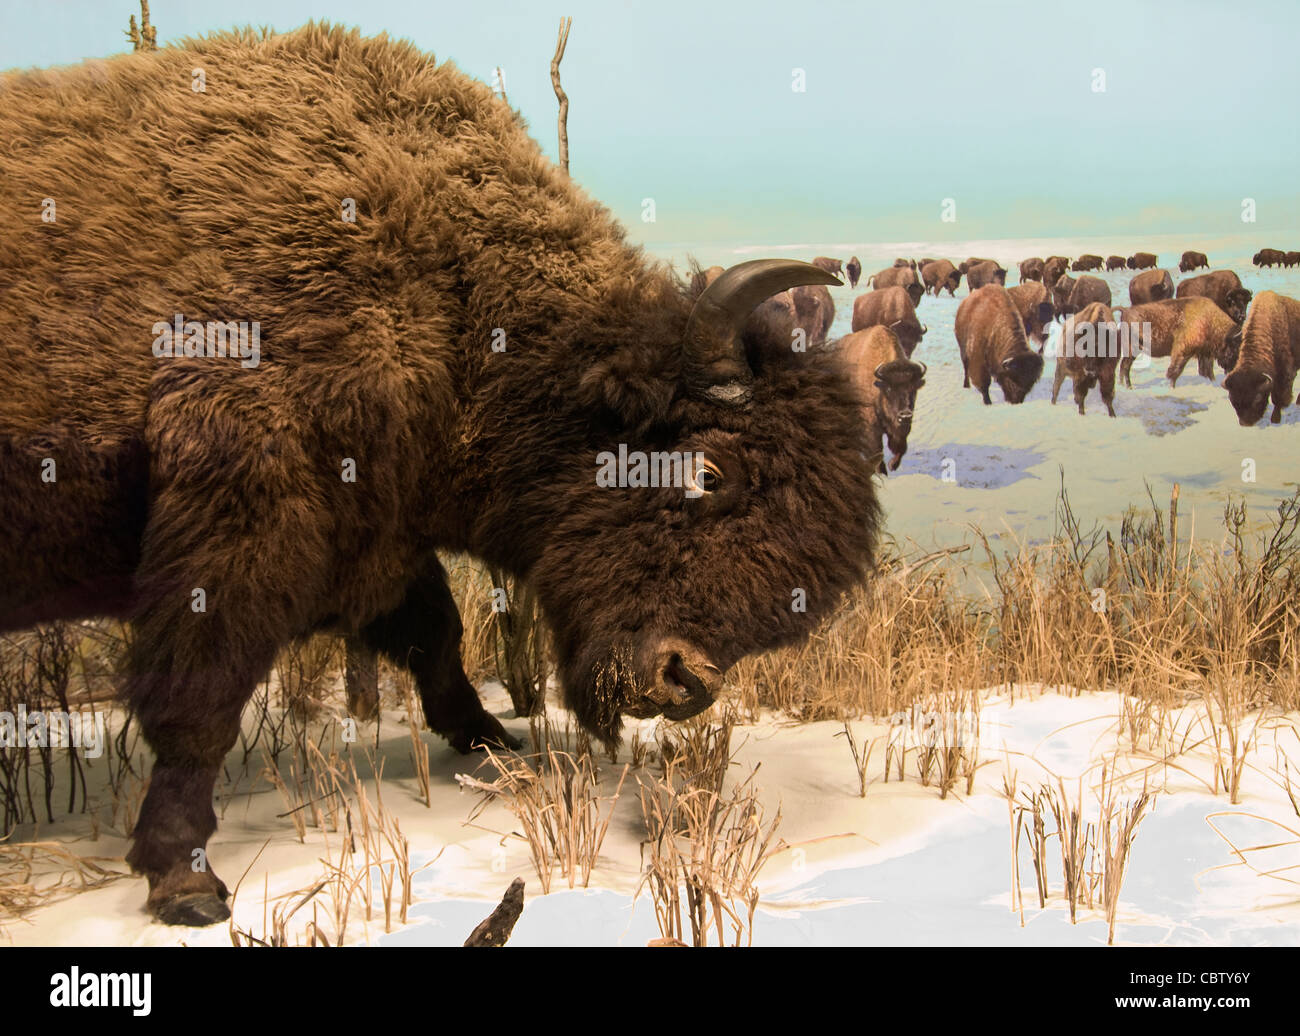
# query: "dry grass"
(36, 874)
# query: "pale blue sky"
(990, 104)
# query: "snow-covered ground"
(898, 866)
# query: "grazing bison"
(1054, 268)
(887, 381)
(1115, 262)
(891, 308)
(1142, 261)
(814, 311)
(854, 270)
(987, 272)
(991, 339)
(1083, 292)
(1223, 287)
(1150, 286)
(938, 274)
(1269, 257)
(1267, 360)
(909, 263)
(1031, 270)
(1088, 262)
(834, 266)
(1182, 329)
(1192, 261)
(455, 370)
(901, 277)
(1061, 293)
(1291, 259)
(1034, 304)
(965, 267)
(1089, 354)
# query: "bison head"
(1017, 374)
(1248, 392)
(898, 382)
(743, 512)
(1237, 302)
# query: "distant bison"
(1054, 268)
(1142, 261)
(987, 272)
(901, 277)
(939, 274)
(1085, 291)
(965, 266)
(1183, 330)
(991, 340)
(1269, 257)
(1291, 259)
(888, 382)
(1089, 355)
(1031, 270)
(854, 270)
(1223, 287)
(1061, 293)
(814, 311)
(834, 266)
(1192, 261)
(1115, 262)
(909, 263)
(891, 308)
(1088, 262)
(1268, 359)
(1150, 286)
(1034, 304)
(379, 424)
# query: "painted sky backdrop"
(989, 104)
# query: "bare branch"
(561, 42)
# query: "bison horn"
(713, 356)
(925, 330)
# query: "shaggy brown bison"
(938, 274)
(1268, 359)
(1061, 289)
(1031, 270)
(1291, 259)
(909, 263)
(1114, 262)
(1054, 267)
(1150, 286)
(854, 270)
(1182, 329)
(901, 277)
(887, 381)
(991, 339)
(1088, 262)
(1192, 261)
(814, 311)
(1269, 257)
(1088, 355)
(987, 272)
(1142, 261)
(1221, 286)
(830, 265)
(1085, 291)
(891, 308)
(456, 342)
(1034, 304)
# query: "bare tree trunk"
(496, 929)
(565, 25)
(145, 37)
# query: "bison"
(991, 340)
(1031, 270)
(854, 270)
(1192, 261)
(1054, 268)
(1115, 262)
(834, 266)
(1085, 291)
(1088, 262)
(1291, 259)
(1142, 261)
(1089, 355)
(1061, 289)
(987, 272)
(891, 308)
(939, 274)
(1221, 286)
(887, 381)
(1269, 257)
(901, 277)
(1181, 329)
(456, 341)
(1268, 359)
(909, 263)
(1150, 286)
(814, 311)
(1034, 304)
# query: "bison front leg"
(423, 634)
(1058, 379)
(1107, 382)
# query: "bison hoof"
(193, 910)
(487, 732)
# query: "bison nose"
(686, 681)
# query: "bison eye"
(708, 479)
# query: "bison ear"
(628, 384)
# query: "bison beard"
(378, 347)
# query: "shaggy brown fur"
(1269, 257)
(1142, 261)
(1182, 329)
(987, 272)
(1034, 304)
(814, 311)
(901, 277)
(1089, 355)
(1083, 292)
(1223, 287)
(1268, 360)
(1054, 269)
(1115, 262)
(1031, 270)
(377, 352)
(1150, 286)
(887, 382)
(1193, 261)
(991, 339)
(1087, 262)
(1061, 293)
(891, 308)
(939, 274)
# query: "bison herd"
(1002, 332)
